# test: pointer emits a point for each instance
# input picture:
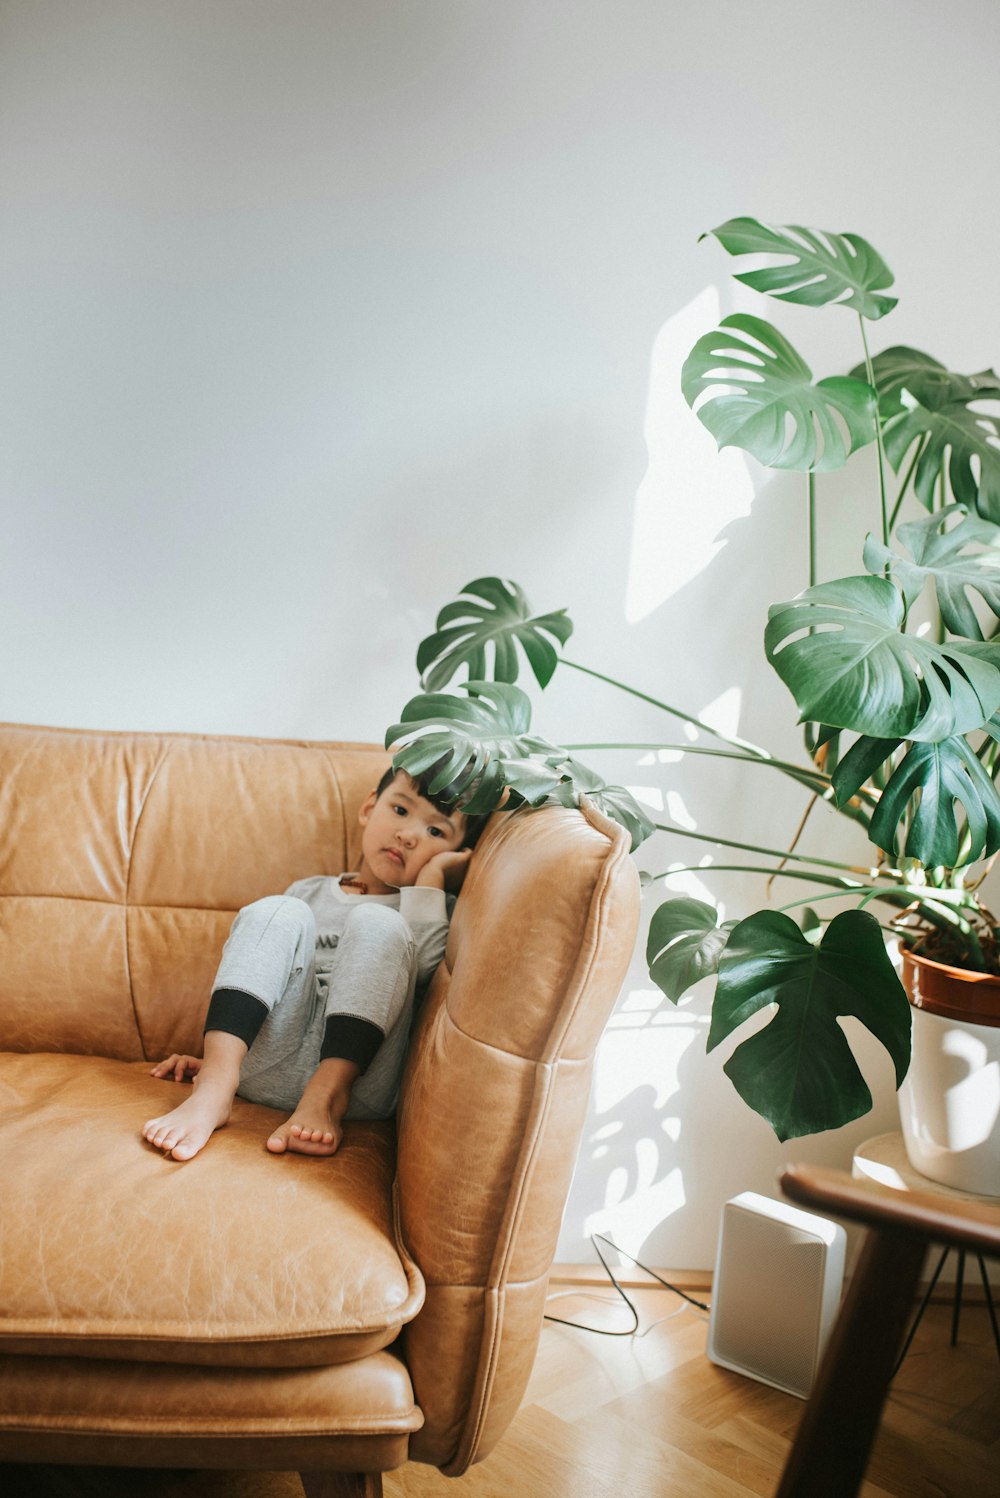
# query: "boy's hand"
(445, 870)
(178, 1068)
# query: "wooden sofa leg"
(342, 1484)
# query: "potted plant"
(900, 710)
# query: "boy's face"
(402, 833)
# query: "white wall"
(312, 312)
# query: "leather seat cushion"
(237, 1257)
(356, 1415)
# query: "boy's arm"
(424, 907)
(446, 871)
(425, 911)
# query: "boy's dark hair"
(441, 801)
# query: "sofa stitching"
(546, 1068)
(496, 1284)
(128, 885)
(409, 1420)
(339, 796)
(64, 1331)
(100, 900)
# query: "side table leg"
(956, 1309)
(920, 1312)
(988, 1290)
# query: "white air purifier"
(779, 1273)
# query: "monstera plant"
(895, 672)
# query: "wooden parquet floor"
(651, 1417)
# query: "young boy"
(312, 1004)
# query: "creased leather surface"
(122, 860)
(185, 944)
(373, 1394)
(111, 1250)
(367, 1452)
(64, 979)
(539, 933)
(539, 944)
(111, 844)
(354, 1417)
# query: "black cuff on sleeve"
(351, 1039)
(237, 1013)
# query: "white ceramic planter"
(950, 1102)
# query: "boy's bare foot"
(311, 1130)
(188, 1128)
(315, 1128)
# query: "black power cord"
(601, 1331)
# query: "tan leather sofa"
(337, 1316)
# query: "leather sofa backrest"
(123, 859)
(493, 1104)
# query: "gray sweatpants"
(371, 974)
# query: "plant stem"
(939, 912)
(676, 712)
(902, 899)
(878, 435)
(834, 894)
(795, 841)
(754, 751)
(726, 842)
(817, 782)
(811, 482)
(940, 631)
(815, 779)
(984, 874)
(906, 480)
(850, 885)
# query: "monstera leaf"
(491, 613)
(821, 267)
(477, 748)
(859, 765)
(931, 781)
(947, 556)
(900, 368)
(946, 775)
(613, 800)
(954, 439)
(840, 651)
(798, 1072)
(685, 944)
(763, 383)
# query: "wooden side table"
(884, 1159)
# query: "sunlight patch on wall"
(639, 1081)
(640, 999)
(678, 811)
(723, 712)
(689, 492)
(689, 883)
(651, 796)
(629, 1221)
(633, 1137)
(648, 1006)
(636, 1009)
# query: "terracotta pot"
(950, 1102)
